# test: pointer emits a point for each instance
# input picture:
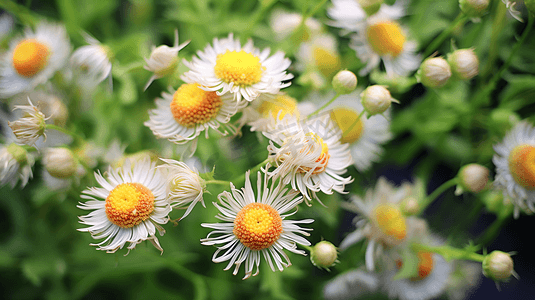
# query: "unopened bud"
(344, 82)
(464, 63)
(376, 99)
(323, 255)
(410, 206)
(370, 6)
(474, 8)
(474, 177)
(498, 266)
(434, 72)
(60, 162)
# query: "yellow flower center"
(425, 265)
(30, 57)
(522, 166)
(386, 38)
(257, 226)
(349, 123)
(391, 221)
(241, 68)
(192, 105)
(282, 103)
(129, 204)
(327, 62)
(313, 140)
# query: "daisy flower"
(285, 23)
(320, 54)
(350, 15)
(515, 166)
(184, 185)
(380, 221)
(33, 59)
(364, 136)
(163, 60)
(15, 163)
(49, 103)
(384, 39)
(255, 226)
(92, 62)
(183, 115)
(433, 272)
(309, 155)
(128, 208)
(31, 126)
(245, 72)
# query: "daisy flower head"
(92, 62)
(431, 279)
(184, 185)
(350, 15)
(515, 168)
(284, 24)
(31, 126)
(245, 72)
(309, 156)
(383, 39)
(32, 59)
(15, 163)
(380, 221)
(129, 206)
(182, 115)
(364, 135)
(320, 54)
(163, 60)
(256, 226)
(262, 113)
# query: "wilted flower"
(31, 126)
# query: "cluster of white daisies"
(310, 148)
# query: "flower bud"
(376, 99)
(324, 255)
(464, 63)
(370, 6)
(410, 206)
(344, 82)
(474, 177)
(498, 266)
(60, 162)
(434, 72)
(474, 8)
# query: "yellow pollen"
(241, 68)
(129, 204)
(30, 57)
(327, 62)
(391, 221)
(425, 265)
(522, 165)
(349, 123)
(192, 105)
(314, 140)
(386, 38)
(282, 103)
(257, 226)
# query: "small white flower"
(255, 226)
(31, 126)
(319, 54)
(309, 155)
(15, 163)
(245, 72)
(185, 187)
(285, 23)
(92, 62)
(183, 115)
(33, 59)
(515, 166)
(163, 60)
(128, 208)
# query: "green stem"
(449, 252)
(461, 18)
(493, 230)
(221, 182)
(75, 136)
(324, 105)
(241, 178)
(441, 189)
(497, 28)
